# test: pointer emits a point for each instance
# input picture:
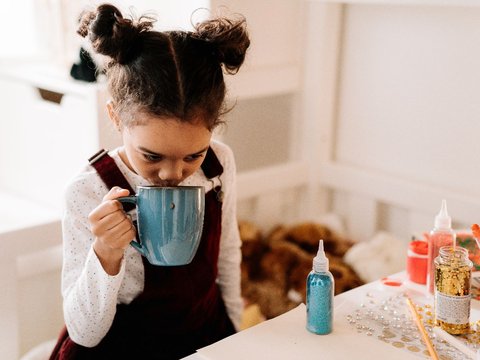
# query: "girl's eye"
(193, 158)
(151, 158)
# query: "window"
(17, 29)
(46, 29)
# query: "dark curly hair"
(167, 74)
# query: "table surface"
(285, 337)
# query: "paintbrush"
(421, 328)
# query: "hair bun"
(228, 38)
(113, 35)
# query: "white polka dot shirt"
(90, 295)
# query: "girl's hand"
(113, 230)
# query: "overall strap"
(211, 166)
(111, 175)
(109, 171)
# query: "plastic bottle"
(441, 235)
(417, 261)
(320, 287)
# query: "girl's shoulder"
(87, 184)
(223, 151)
(225, 155)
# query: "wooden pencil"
(421, 328)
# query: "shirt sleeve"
(89, 293)
(230, 244)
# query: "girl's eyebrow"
(149, 152)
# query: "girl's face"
(165, 151)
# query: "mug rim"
(170, 187)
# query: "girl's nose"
(171, 172)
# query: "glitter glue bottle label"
(452, 309)
(320, 290)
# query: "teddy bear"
(275, 266)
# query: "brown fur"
(274, 266)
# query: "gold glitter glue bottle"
(441, 235)
(453, 272)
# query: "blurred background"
(69, 115)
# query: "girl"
(168, 93)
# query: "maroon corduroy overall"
(180, 308)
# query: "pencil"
(421, 328)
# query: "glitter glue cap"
(418, 247)
(442, 220)
(320, 262)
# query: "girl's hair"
(167, 74)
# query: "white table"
(285, 337)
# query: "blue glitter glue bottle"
(320, 295)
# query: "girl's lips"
(165, 184)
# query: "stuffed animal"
(388, 252)
(275, 267)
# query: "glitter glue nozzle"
(320, 262)
(442, 220)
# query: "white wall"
(259, 131)
(405, 120)
(409, 101)
(23, 41)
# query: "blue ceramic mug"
(169, 222)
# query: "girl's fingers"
(108, 222)
(120, 230)
(116, 192)
(112, 232)
(127, 237)
(104, 209)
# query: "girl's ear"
(113, 115)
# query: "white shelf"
(19, 213)
(404, 2)
(51, 77)
(247, 84)
(262, 82)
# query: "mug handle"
(132, 199)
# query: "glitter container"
(417, 260)
(320, 287)
(453, 272)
